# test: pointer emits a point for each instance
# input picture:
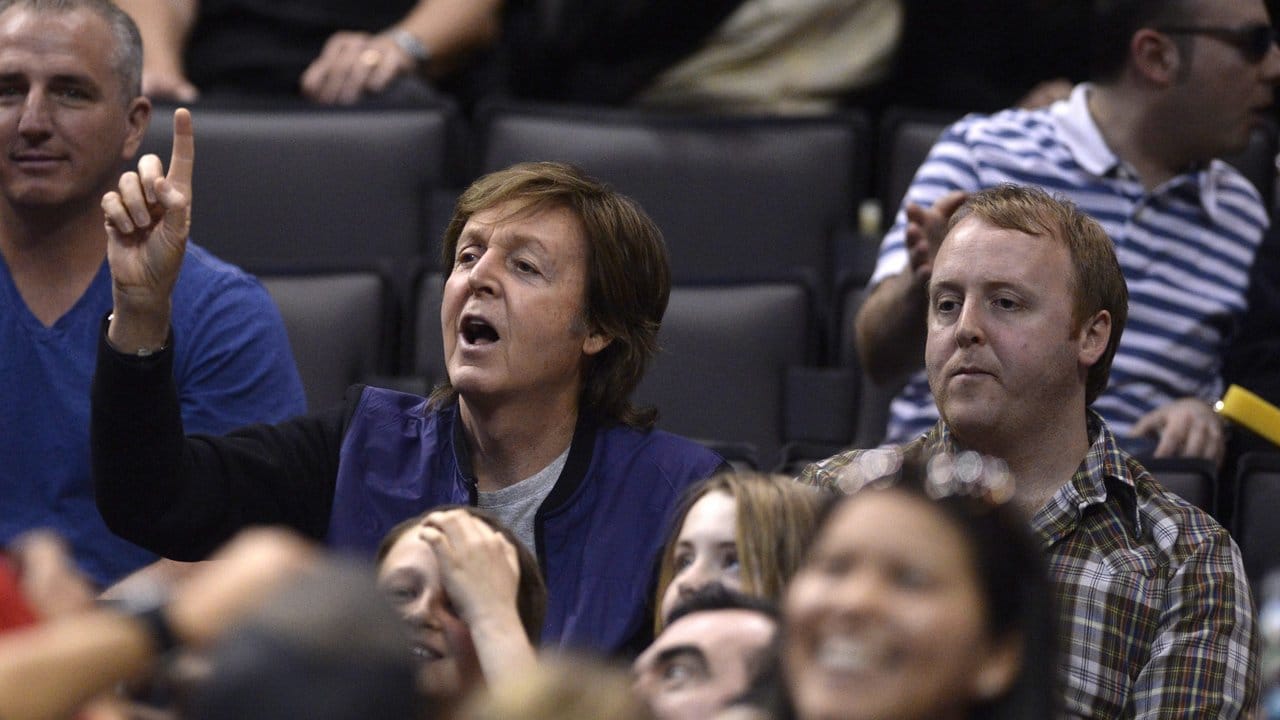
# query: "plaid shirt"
(1157, 620)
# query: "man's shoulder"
(847, 471)
(388, 402)
(1010, 124)
(1142, 527)
(660, 447)
(214, 298)
(1177, 528)
(1238, 194)
(206, 278)
(825, 474)
(652, 456)
(1015, 145)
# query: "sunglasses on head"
(1253, 41)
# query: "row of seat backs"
(737, 197)
(736, 364)
(739, 363)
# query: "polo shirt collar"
(1080, 134)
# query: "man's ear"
(595, 342)
(137, 118)
(1155, 57)
(1095, 333)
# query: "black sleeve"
(182, 496)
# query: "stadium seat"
(737, 198)
(904, 141)
(872, 400)
(425, 343)
(275, 187)
(337, 325)
(1257, 507)
(726, 350)
(1193, 479)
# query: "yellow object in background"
(1248, 410)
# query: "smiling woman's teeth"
(843, 654)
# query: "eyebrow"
(533, 242)
(519, 239)
(718, 544)
(403, 573)
(63, 78)
(993, 284)
(676, 652)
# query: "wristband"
(410, 43)
(158, 627)
(145, 600)
(142, 352)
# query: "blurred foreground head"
(327, 647)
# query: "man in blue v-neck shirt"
(71, 114)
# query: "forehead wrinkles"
(70, 44)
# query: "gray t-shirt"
(517, 504)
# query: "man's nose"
(35, 119)
(1271, 65)
(969, 325)
(484, 272)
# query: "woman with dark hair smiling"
(922, 596)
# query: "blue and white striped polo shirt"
(1185, 249)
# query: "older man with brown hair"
(554, 295)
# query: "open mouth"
(425, 654)
(476, 331)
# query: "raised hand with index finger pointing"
(147, 219)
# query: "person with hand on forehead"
(471, 595)
(556, 289)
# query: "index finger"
(183, 156)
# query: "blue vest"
(598, 533)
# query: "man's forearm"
(450, 29)
(164, 26)
(47, 671)
(890, 329)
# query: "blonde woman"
(746, 531)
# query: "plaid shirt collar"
(1105, 469)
